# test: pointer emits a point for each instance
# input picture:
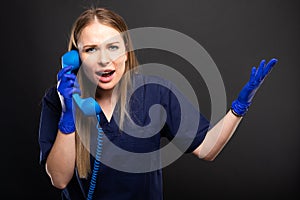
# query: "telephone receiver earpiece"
(71, 58)
(88, 105)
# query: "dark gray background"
(262, 160)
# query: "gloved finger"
(70, 76)
(64, 86)
(252, 75)
(63, 71)
(70, 83)
(76, 90)
(71, 91)
(73, 83)
(259, 74)
(76, 84)
(270, 66)
(67, 77)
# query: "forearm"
(61, 160)
(220, 134)
(217, 137)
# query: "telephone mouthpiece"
(88, 105)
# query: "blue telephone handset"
(89, 107)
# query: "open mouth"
(106, 73)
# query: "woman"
(101, 39)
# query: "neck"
(107, 100)
(104, 95)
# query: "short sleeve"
(183, 119)
(49, 118)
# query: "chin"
(105, 87)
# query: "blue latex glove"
(241, 104)
(67, 86)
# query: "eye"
(113, 47)
(90, 50)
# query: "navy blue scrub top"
(113, 184)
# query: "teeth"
(105, 73)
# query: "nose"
(104, 58)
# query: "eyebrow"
(94, 45)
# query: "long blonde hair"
(108, 18)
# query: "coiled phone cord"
(97, 160)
